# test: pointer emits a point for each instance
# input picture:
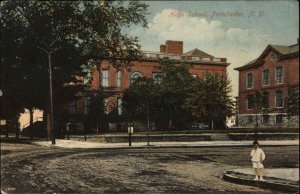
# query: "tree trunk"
(49, 132)
(170, 120)
(17, 133)
(6, 134)
(148, 124)
(170, 123)
(17, 128)
(31, 123)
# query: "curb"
(230, 177)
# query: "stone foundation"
(249, 120)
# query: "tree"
(209, 100)
(74, 32)
(175, 80)
(97, 111)
(140, 100)
(292, 103)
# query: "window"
(265, 100)
(278, 118)
(106, 111)
(250, 101)
(250, 119)
(72, 108)
(249, 80)
(279, 75)
(104, 76)
(157, 77)
(119, 106)
(118, 78)
(134, 76)
(266, 77)
(266, 119)
(278, 99)
(86, 105)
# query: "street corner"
(285, 179)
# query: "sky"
(236, 30)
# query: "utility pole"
(51, 98)
(49, 51)
(148, 124)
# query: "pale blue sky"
(239, 38)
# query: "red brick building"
(113, 82)
(271, 73)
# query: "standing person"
(257, 157)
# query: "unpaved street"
(34, 169)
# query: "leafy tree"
(140, 100)
(175, 80)
(73, 32)
(97, 110)
(292, 103)
(209, 100)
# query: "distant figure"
(257, 157)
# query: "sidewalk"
(72, 144)
(285, 179)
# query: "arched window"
(135, 75)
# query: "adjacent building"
(271, 73)
(112, 82)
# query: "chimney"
(162, 48)
(174, 47)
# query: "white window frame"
(276, 99)
(105, 78)
(263, 77)
(118, 78)
(282, 80)
(132, 75)
(247, 80)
